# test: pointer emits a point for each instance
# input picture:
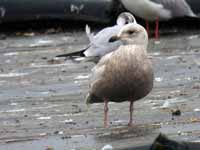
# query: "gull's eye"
(130, 32)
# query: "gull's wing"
(100, 45)
(97, 76)
(178, 8)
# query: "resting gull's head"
(125, 18)
(132, 34)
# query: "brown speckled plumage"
(128, 73)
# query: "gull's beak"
(114, 38)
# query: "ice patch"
(11, 54)
(44, 118)
(119, 121)
(13, 75)
(43, 134)
(76, 82)
(82, 77)
(156, 54)
(193, 37)
(15, 110)
(41, 42)
(60, 132)
(197, 110)
(13, 104)
(68, 121)
(47, 66)
(45, 92)
(107, 147)
(166, 104)
(178, 79)
(78, 136)
(188, 78)
(173, 57)
(158, 79)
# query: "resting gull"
(158, 10)
(99, 43)
(124, 74)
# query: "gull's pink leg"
(131, 113)
(157, 29)
(105, 112)
(147, 27)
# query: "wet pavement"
(42, 100)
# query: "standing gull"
(158, 10)
(99, 43)
(124, 74)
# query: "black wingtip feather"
(73, 54)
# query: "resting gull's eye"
(130, 32)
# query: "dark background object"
(162, 142)
(88, 10)
(195, 6)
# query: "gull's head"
(125, 18)
(131, 34)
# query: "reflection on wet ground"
(42, 102)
